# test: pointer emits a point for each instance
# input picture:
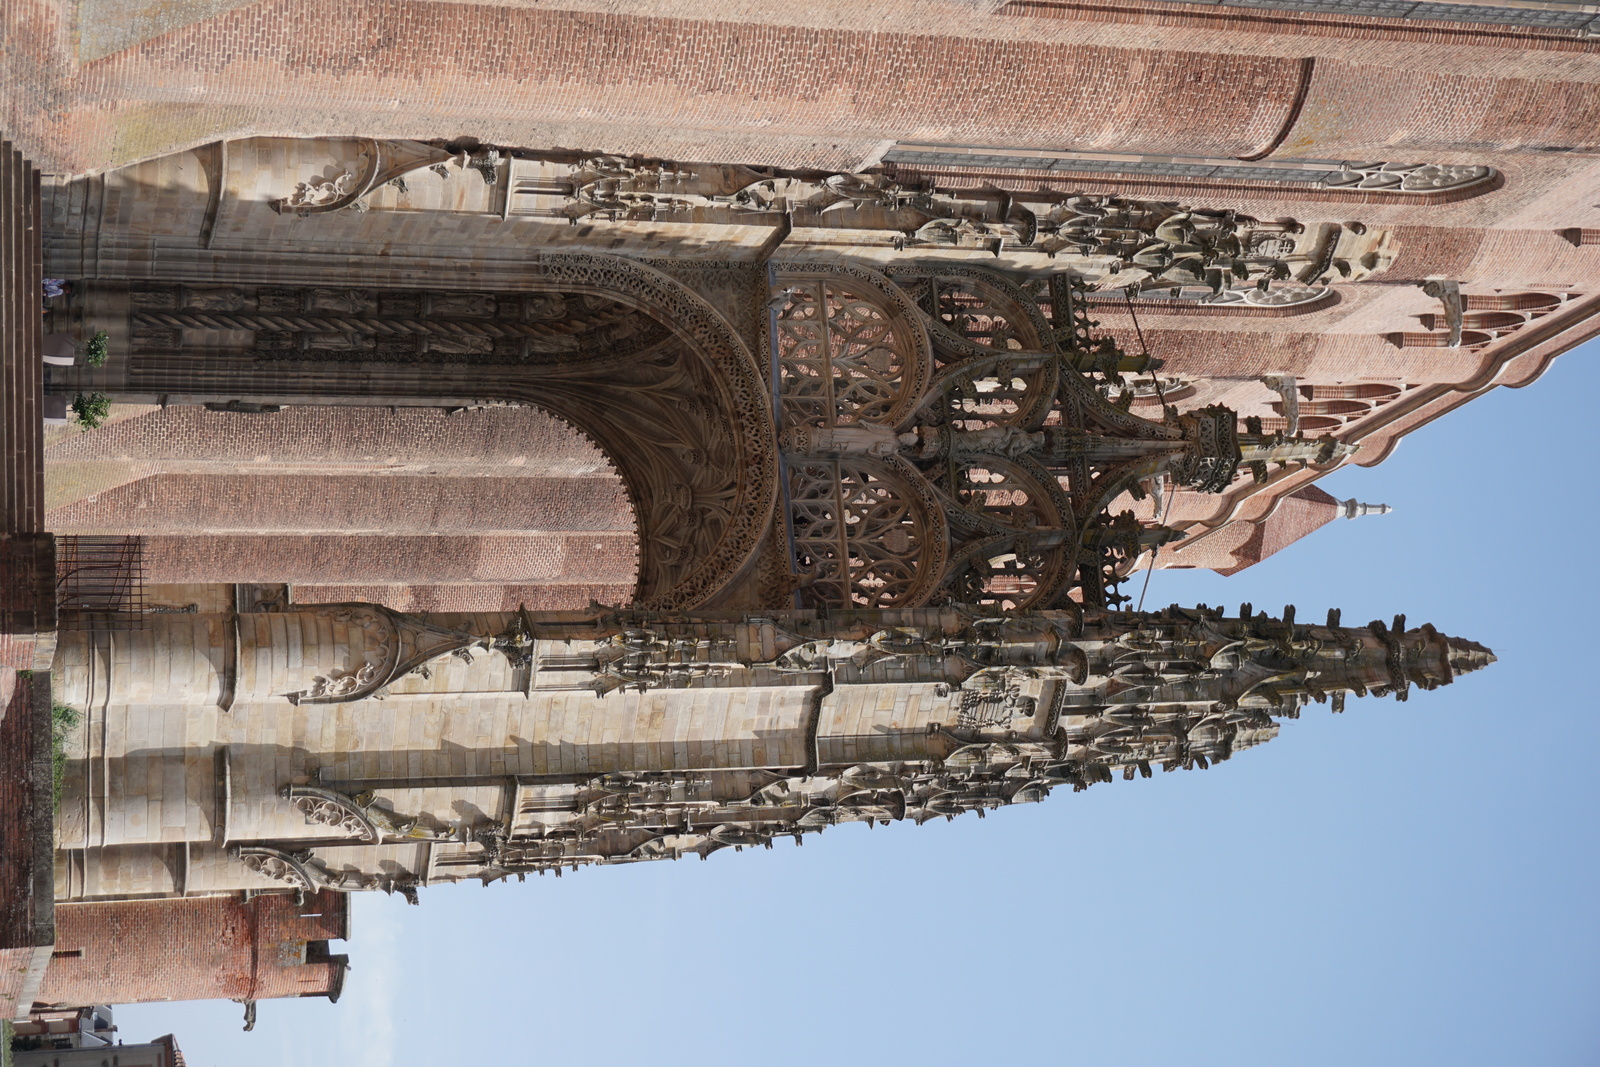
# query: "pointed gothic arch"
(668, 390)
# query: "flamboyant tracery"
(991, 482)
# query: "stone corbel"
(1286, 387)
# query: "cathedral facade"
(552, 438)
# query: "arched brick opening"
(1440, 339)
(1510, 301)
(1492, 320)
(643, 366)
(1350, 391)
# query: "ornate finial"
(1353, 509)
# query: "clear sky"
(1403, 884)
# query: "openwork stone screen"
(863, 536)
(840, 361)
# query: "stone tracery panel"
(1021, 447)
(840, 360)
(1011, 561)
(1000, 376)
(975, 317)
(867, 533)
(977, 305)
(850, 346)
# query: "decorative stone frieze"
(1393, 177)
(1112, 240)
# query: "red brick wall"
(1237, 545)
(696, 79)
(1216, 353)
(27, 585)
(310, 503)
(596, 558)
(345, 438)
(491, 508)
(25, 833)
(16, 804)
(196, 948)
(1144, 76)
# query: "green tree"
(92, 410)
(98, 348)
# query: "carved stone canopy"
(948, 441)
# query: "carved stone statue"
(848, 439)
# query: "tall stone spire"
(479, 746)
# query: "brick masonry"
(27, 586)
(819, 85)
(606, 558)
(26, 901)
(195, 948)
(481, 507)
(338, 503)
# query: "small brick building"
(196, 948)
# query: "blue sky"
(1406, 883)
